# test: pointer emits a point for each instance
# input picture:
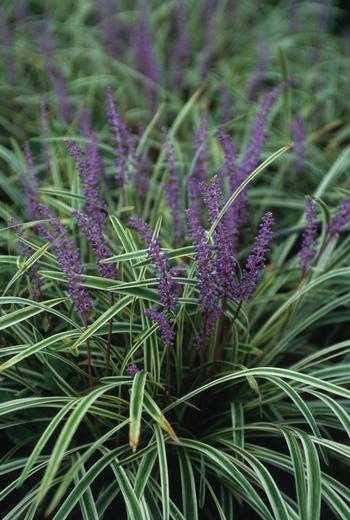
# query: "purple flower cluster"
(92, 218)
(340, 219)
(180, 48)
(299, 137)
(60, 87)
(132, 370)
(55, 74)
(250, 161)
(256, 260)
(92, 148)
(228, 167)
(68, 259)
(166, 331)
(110, 29)
(209, 12)
(95, 236)
(223, 261)
(307, 251)
(124, 144)
(207, 279)
(90, 182)
(146, 59)
(168, 289)
(172, 187)
(200, 135)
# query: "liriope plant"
(174, 303)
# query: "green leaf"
(136, 404)
(66, 436)
(27, 265)
(103, 319)
(188, 485)
(154, 411)
(163, 470)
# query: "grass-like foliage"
(174, 262)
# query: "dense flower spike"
(256, 260)
(172, 187)
(92, 147)
(200, 135)
(180, 48)
(110, 29)
(299, 137)
(307, 251)
(168, 289)
(132, 370)
(124, 149)
(166, 331)
(92, 218)
(93, 206)
(228, 167)
(250, 161)
(209, 11)
(146, 58)
(340, 219)
(68, 259)
(224, 262)
(207, 279)
(98, 243)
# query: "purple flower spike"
(307, 251)
(340, 219)
(251, 156)
(95, 236)
(146, 58)
(124, 146)
(250, 161)
(256, 260)
(68, 259)
(166, 331)
(172, 187)
(228, 167)
(60, 88)
(93, 199)
(132, 370)
(199, 138)
(209, 11)
(224, 262)
(168, 288)
(298, 130)
(180, 48)
(207, 279)
(92, 148)
(110, 30)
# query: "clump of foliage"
(174, 260)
